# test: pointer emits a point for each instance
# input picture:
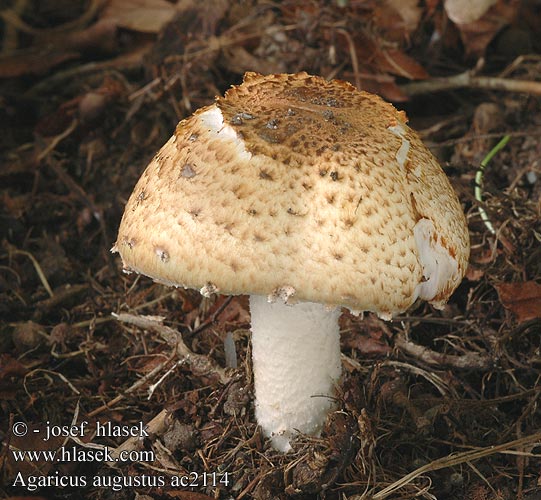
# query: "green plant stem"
(479, 181)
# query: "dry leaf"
(146, 16)
(477, 34)
(11, 373)
(467, 11)
(397, 18)
(235, 312)
(398, 63)
(34, 61)
(487, 117)
(522, 299)
(474, 274)
(431, 6)
(387, 89)
(50, 48)
(369, 337)
(11, 367)
(32, 440)
(238, 60)
(367, 345)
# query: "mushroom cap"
(295, 187)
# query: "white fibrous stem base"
(296, 364)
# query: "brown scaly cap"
(293, 185)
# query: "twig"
(214, 315)
(199, 364)
(469, 80)
(37, 267)
(443, 388)
(353, 55)
(468, 361)
(62, 294)
(431, 319)
(49, 372)
(479, 181)
(106, 319)
(14, 17)
(56, 140)
(483, 478)
(73, 186)
(130, 389)
(156, 427)
(475, 137)
(454, 459)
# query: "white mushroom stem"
(296, 363)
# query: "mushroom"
(309, 196)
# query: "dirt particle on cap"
(282, 292)
(188, 171)
(142, 196)
(239, 118)
(208, 289)
(270, 137)
(162, 254)
(194, 212)
(328, 115)
(265, 175)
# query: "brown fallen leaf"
(12, 372)
(11, 367)
(487, 118)
(397, 18)
(430, 7)
(33, 439)
(522, 299)
(474, 273)
(386, 89)
(398, 63)
(368, 345)
(145, 16)
(477, 34)
(466, 11)
(239, 60)
(369, 337)
(33, 61)
(377, 65)
(50, 48)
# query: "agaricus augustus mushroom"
(309, 196)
